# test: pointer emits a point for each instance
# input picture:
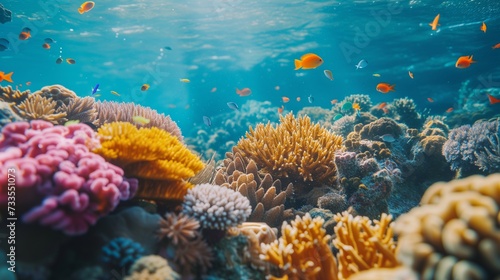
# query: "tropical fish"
(308, 61)
(59, 60)
(232, 105)
(449, 110)
(483, 27)
(384, 87)
(49, 40)
(328, 74)
(115, 93)
(356, 106)
(285, 99)
(184, 80)
(280, 109)
(86, 6)
(6, 77)
(410, 74)
(435, 23)
(244, 92)
(497, 46)
(464, 61)
(70, 61)
(376, 75)
(95, 89)
(25, 34)
(310, 99)
(382, 105)
(430, 99)
(46, 46)
(361, 64)
(334, 101)
(167, 48)
(140, 120)
(389, 138)
(337, 117)
(347, 106)
(207, 121)
(28, 83)
(144, 87)
(493, 100)
(298, 98)
(68, 123)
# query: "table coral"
(153, 155)
(302, 252)
(295, 150)
(59, 182)
(455, 233)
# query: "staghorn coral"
(179, 228)
(293, 151)
(363, 245)
(152, 267)
(454, 234)
(81, 109)
(157, 158)
(108, 112)
(267, 197)
(302, 252)
(9, 95)
(216, 207)
(37, 107)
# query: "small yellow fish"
(68, 123)
(140, 120)
(97, 95)
(185, 80)
(355, 106)
(115, 93)
(376, 75)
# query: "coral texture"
(295, 150)
(58, 179)
(152, 267)
(455, 233)
(121, 252)
(216, 207)
(178, 228)
(302, 252)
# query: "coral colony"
(360, 191)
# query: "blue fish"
(310, 99)
(207, 121)
(95, 89)
(361, 64)
(232, 105)
(389, 138)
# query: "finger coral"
(153, 155)
(455, 233)
(60, 183)
(363, 245)
(294, 150)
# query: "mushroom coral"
(157, 158)
(293, 151)
(455, 233)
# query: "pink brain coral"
(59, 182)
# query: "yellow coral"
(363, 246)
(295, 149)
(302, 252)
(157, 158)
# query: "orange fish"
(46, 46)
(298, 98)
(493, 100)
(243, 92)
(7, 77)
(86, 6)
(25, 34)
(430, 99)
(435, 23)
(145, 87)
(449, 110)
(464, 61)
(280, 109)
(410, 74)
(497, 46)
(308, 61)
(285, 99)
(356, 106)
(28, 83)
(70, 61)
(483, 27)
(382, 105)
(385, 87)
(334, 101)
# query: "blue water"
(236, 44)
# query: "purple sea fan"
(59, 182)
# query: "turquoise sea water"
(120, 45)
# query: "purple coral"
(61, 183)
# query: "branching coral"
(37, 107)
(153, 155)
(295, 150)
(124, 112)
(455, 233)
(363, 245)
(9, 95)
(302, 252)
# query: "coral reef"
(406, 112)
(7, 115)
(179, 228)
(60, 183)
(454, 234)
(11, 96)
(316, 114)
(302, 252)
(362, 100)
(152, 267)
(121, 253)
(37, 107)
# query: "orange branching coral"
(362, 245)
(295, 149)
(36, 107)
(302, 252)
(455, 233)
(150, 154)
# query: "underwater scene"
(252, 140)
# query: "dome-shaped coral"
(152, 267)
